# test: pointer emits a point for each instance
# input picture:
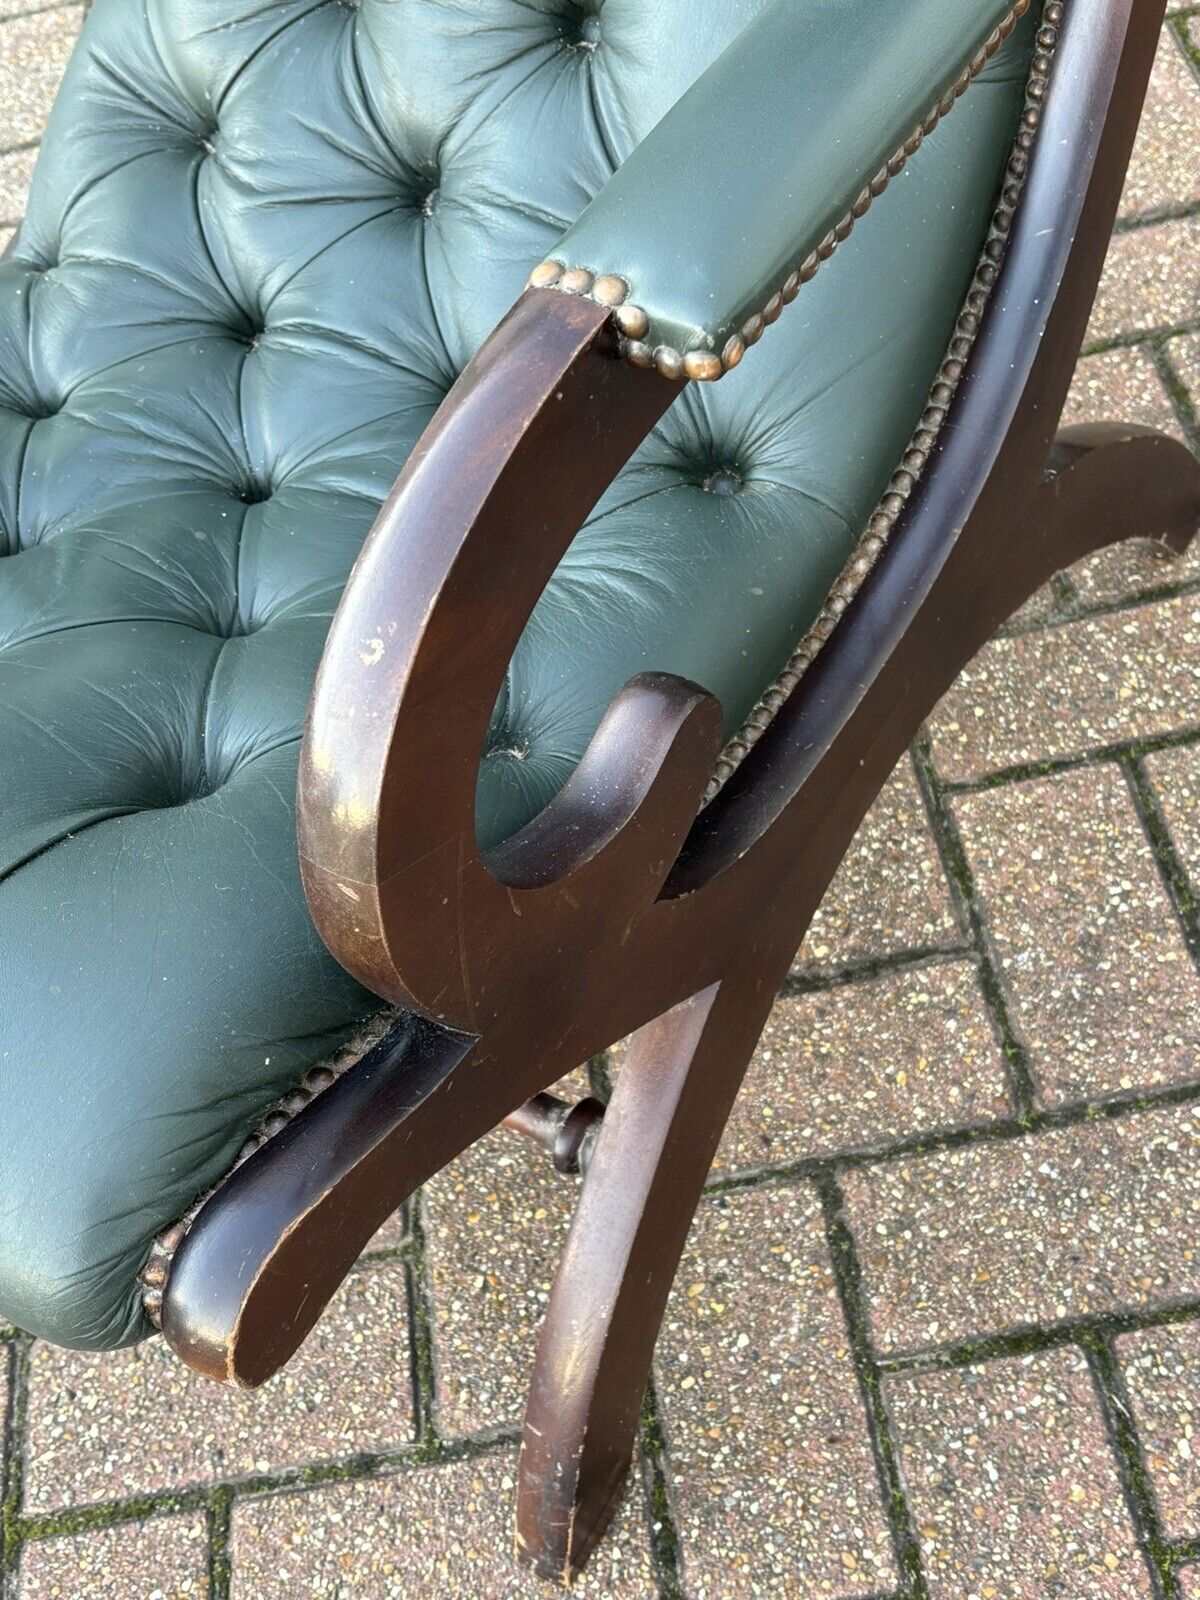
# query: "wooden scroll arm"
(523, 447)
(521, 450)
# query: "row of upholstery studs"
(906, 476)
(153, 1276)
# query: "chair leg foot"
(1112, 481)
(655, 1147)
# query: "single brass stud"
(632, 321)
(610, 290)
(702, 365)
(752, 329)
(735, 349)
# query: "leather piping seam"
(705, 366)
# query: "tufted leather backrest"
(262, 241)
(263, 238)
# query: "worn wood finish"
(660, 1133)
(619, 905)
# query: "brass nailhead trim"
(635, 324)
(705, 366)
(907, 475)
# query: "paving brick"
(1063, 691)
(1163, 171)
(34, 50)
(1162, 1370)
(1132, 569)
(773, 1482)
(5, 1356)
(21, 8)
(445, 1531)
(495, 1221)
(165, 1558)
(106, 1426)
(1121, 385)
(890, 893)
(1026, 1232)
(1189, 1582)
(1151, 281)
(1184, 355)
(390, 1237)
(1012, 1485)
(1175, 776)
(1101, 983)
(1043, 606)
(16, 169)
(866, 1063)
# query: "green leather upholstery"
(836, 89)
(263, 237)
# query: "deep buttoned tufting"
(263, 238)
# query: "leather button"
(251, 493)
(723, 481)
(236, 630)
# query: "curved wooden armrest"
(523, 447)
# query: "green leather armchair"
(623, 660)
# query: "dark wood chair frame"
(627, 907)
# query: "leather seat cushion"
(263, 238)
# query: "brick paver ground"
(937, 1332)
